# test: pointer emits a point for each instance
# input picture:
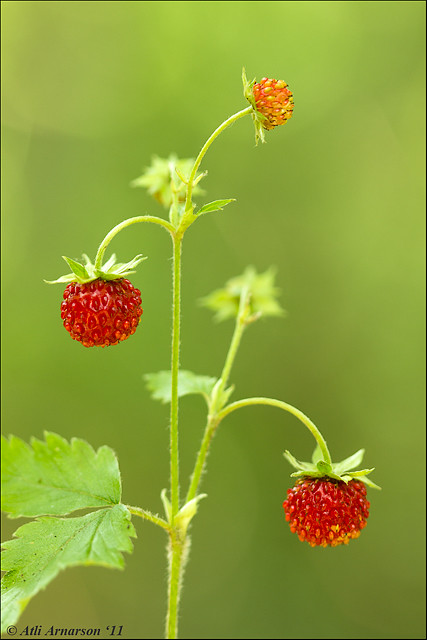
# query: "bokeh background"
(335, 201)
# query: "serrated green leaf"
(159, 384)
(216, 205)
(77, 268)
(56, 477)
(349, 463)
(43, 548)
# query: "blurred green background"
(335, 200)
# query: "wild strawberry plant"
(47, 480)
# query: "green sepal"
(350, 463)
(216, 205)
(317, 455)
(78, 269)
(111, 270)
(341, 471)
(257, 117)
(301, 466)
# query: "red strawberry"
(325, 511)
(101, 313)
(274, 101)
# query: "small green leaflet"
(51, 478)
(56, 477)
(216, 205)
(45, 546)
(159, 384)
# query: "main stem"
(176, 327)
(176, 544)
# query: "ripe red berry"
(325, 511)
(273, 100)
(101, 312)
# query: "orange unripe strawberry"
(273, 100)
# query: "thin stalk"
(201, 457)
(206, 146)
(212, 422)
(147, 515)
(122, 225)
(247, 402)
(176, 327)
(176, 543)
(235, 342)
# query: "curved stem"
(147, 515)
(247, 402)
(176, 327)
(206, 146)
(122, 225)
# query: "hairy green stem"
(176, 544)
(176, 561)
(247, 402)
(206, 146)
(212, 418)
(147, 515)
(201, 457)
(235, 342)
(176, 326)
(122, 225)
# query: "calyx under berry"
(341, 471)
(87, 272)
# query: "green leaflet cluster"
(49, 479)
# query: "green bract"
(87, 272)
(257, 117)
(262, 296)
(319, 468)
